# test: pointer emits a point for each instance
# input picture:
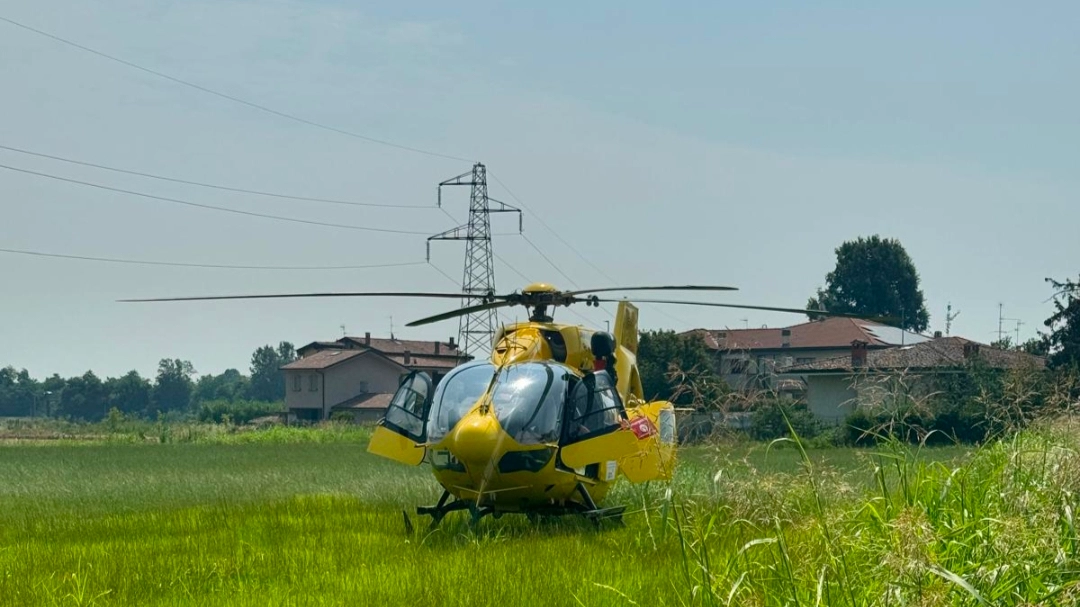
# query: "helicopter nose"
(475, 438)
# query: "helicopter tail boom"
(626, 326)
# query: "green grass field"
(308, 518)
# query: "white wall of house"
(830, 398)
(764, 362)
(304, 388)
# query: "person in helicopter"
(592, 406)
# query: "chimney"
(937, 334)
(452, 344)
(367, 338)
(437, 344)
(971, 349)
(858, 353)
(785, 338)
(408, 359)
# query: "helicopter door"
(654, 425)
(399, 434)
(595, 430)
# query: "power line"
(552, 230)
(573, 248)
(208, 206)
(204, 265)
(493, 253)
(502, 316)
(550, 263)
(232, 98)
(518, 272)
(212, 185)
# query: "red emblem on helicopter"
(643, 427)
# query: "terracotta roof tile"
(828, 333)
(398, 346)
(323, 359)
(375, 400)
(426, 361)
(946, 352)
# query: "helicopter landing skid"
(586, 508)
(596, 514)
(441, 509)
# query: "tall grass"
(997, 529)
(272, 519)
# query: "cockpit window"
(528, 401)
(456, 395)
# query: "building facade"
(836, 386)
(753, 359)
(359, 375)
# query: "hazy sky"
(711, 144)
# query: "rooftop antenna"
(343, 334)
(746, 322)
(949, 317)
(1016, 344)
(1001, 308)
(391, 326)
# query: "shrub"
(239, 412)
(768, 420)
(341, 416)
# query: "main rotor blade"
(459, 312)
(290, 295)
(739, 306)
(667, 288)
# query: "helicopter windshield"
(528, 401)
(456, 394)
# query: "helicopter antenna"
(476, 330)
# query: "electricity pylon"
(476, 330)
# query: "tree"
(128, 394)
(1063, 341)
(52, 391)
(83, 397)
(230, 386)
(1036, 346)
(18, 393)
(874, 277)
(676, 367)
(267, 379)
(173, 386)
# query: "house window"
(361, 387)
(739, 366)
(313, 383)
(802, 360)
(296, 383)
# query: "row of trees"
(174, 388)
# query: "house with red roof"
(359, 375)
(864, 377)
(750, 359)
(836, 364)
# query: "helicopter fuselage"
(542, 421)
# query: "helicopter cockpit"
(534, 402)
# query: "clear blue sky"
(712, 144)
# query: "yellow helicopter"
(548, 423)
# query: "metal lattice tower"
(476, 330)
